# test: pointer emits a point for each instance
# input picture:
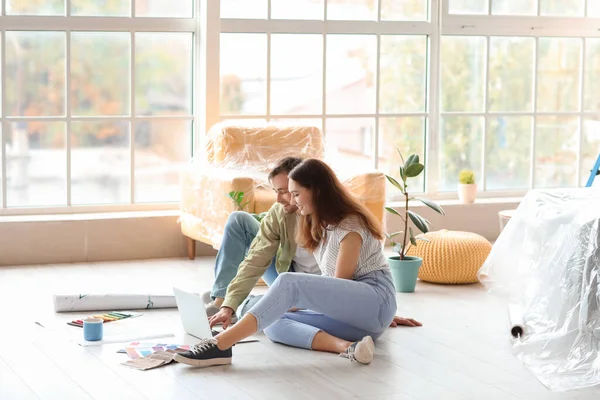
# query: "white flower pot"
(467, 192)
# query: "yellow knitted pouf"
(451, 257)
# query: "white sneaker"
(361, 351)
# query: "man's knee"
(238, 217)
(238, 220)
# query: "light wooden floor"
(461, 352)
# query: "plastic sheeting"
(545, 263)
(259, 147)
(237, 157)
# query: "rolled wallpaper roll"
(111, 302)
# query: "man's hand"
(222, 317)
(404, 321)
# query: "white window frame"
(441, 23)
(131, 25)
(324, 27)
(488, 25)
(206, 25)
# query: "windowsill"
(456, 202)
(107, 215)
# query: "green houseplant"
(467, 188)
(238, 200)
(405, 269)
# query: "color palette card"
(137, 350)
(108, 317)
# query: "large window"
(358, 69)
(519, 93)
(102, 100)
(96, 101)
(505, 88)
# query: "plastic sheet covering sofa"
(238, 158)
(546, 264)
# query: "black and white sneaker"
(204, 354)
(362, 351)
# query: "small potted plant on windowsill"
(467, 188)
(405, 269)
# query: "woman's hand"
(404, 322)
(222, 317)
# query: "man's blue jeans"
(240, 230)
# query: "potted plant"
(467, 189)
(405, 269)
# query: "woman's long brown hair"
(331, 203)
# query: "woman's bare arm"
(347, 259)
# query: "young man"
(271, 250)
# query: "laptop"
(194, 318)
(193, 314)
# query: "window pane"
(35, 7)
(352, 10)
(463, 73)
(593, 9)
(100, 162)
(514, 7)
(351, 66)
(164, 9)
(590, 148)
(591, 85)
(558, 74)
(163, 73)
(297, 9)
(317, 122)
(469, 6)
(353, 139)
(556, 151)
(508, 153)
(246, 9)
(405, 10)
(408, 135)
(162, 150)
(296, 74)
(461, 148)
(35, 73)
(243, 73)
(36, 168)
(562, 8)
(511, 74)
(100, 72)
(403, 69)
(106, 8)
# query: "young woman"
(340, 311)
